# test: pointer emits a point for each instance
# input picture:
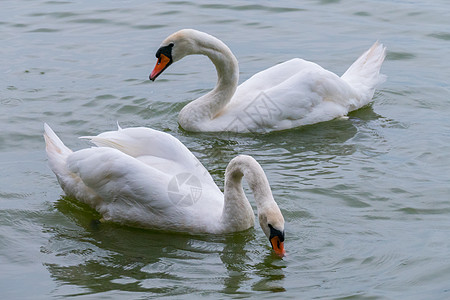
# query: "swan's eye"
(171, 45)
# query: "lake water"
(366, 200)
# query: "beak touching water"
(278, 246)
(277, 241)
(162, 63)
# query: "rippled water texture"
(366, 200)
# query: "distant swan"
(290, 94)
(144, 177)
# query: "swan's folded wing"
(141, 141)
(120, 180)
(309, 95)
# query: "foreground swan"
(147, 178)
(291, 94)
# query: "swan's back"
(150, 146)
(272, 77)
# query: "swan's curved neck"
(237, 212)
(211, 104)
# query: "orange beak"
(162, 63)
(278, 246)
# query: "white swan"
(291, 94)
(147, 178)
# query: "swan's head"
(269, 215)
(272, 223)
(175, 47)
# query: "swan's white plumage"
(291, 94)
(126, 178)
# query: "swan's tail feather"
(57, 152)
(364, 74)
(106, 142)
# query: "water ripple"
(441, 35)
(365, 199)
